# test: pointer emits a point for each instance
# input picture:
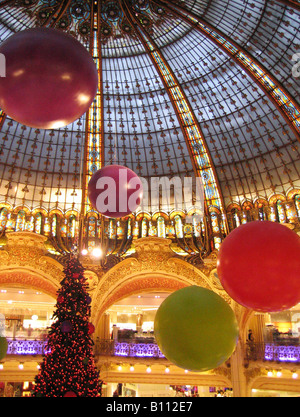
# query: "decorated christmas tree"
(68, 368)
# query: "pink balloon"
(115, 191)
(51, 79)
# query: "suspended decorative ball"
(70, 394)
(91, 328)
(259, 264)
(60, 299)
(115, 191)
(66, 326)
(51, 78)
(3, 347)
(196, 329)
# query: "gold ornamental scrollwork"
(25, 260)
(153, 266)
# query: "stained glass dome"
(201, 88)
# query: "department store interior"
(186, 88)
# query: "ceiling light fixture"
(97, 252)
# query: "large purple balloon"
(51, 79)
(115, 191)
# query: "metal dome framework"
(186, 88)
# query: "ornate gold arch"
(154, 266)
(24, 261)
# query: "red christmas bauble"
(66, 326)
(115, 191)
(91, 328)
(258, 265)
(51, 79)
(70, 394)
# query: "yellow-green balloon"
(196, 329)
(3, 347)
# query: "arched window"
(217, 242)
(297, 204)
(262, 215)
(144, 227)
(248, 214)
(3, 218)
(178, 226)
(112, 229)
(244, 218)
(281, 217)
(92, 227)
(46, 226)
(235, 218)
(196, 225)
(54, 225)
(120, 230)
(20, 222)
(170, 230)
(29, 225)
(38, 223)
(136, 230)
(161, 228)
(63, 228)
(129, 229)
(214, 222)
(273, 213)
(11, 223)
(72, 226)
(152, 231)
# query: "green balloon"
(196, 329)
(3, 347)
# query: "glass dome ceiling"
(186, 88)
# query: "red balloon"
(259, 265)
(51, 79)
(70, 394)
(115, 191)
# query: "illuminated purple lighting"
(26, 347)
(137, 350)
(271, 352)
(282, 353)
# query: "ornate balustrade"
(128, 349)
(131, 349)
(137, 350)
(273, 352)
(26, 347)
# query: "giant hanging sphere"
(3, 347)
(51, 79)
(259, 266)
(70, 394)
(115, 191)
(196, 329)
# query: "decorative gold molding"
(24, 260)
(177, 376)
(153, 266)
